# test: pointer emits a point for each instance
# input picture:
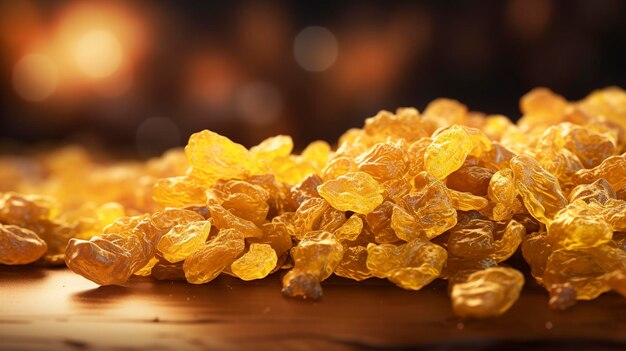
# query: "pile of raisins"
(411, 197)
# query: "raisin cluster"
(411, 197)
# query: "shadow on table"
(102, 295)
(23, 274)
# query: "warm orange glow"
(93, 46)
(315, 48)
(35, 77)
(212, 79)
(100, 44)
(115, 85)
(98, 53)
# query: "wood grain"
(55, 309)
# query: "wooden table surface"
(44, 308)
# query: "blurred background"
(139, 77)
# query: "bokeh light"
(315, 48)
(115, 85)
(155, 135)
(259, 103)
(35, 77)
(251, 69)
(98, 53)
(528, 18)
(211, 80)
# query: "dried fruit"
(357, 192)
(19, 245)
(225, 219)
(447, 152)
(539, 189)
(215, 157)
(353, 264)
(410, 266)
(471, 179)
(612, 169)
(478, 238)
(178, 192)
(430, 207)
(183, 240)
(315, 259)
(383, 162)
(581, 272)
(257, 263)
(350, 229)
(410, 198)
(576, 226)
(487, 293)
(502, 194)
(206, 263)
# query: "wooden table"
(55, 309)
